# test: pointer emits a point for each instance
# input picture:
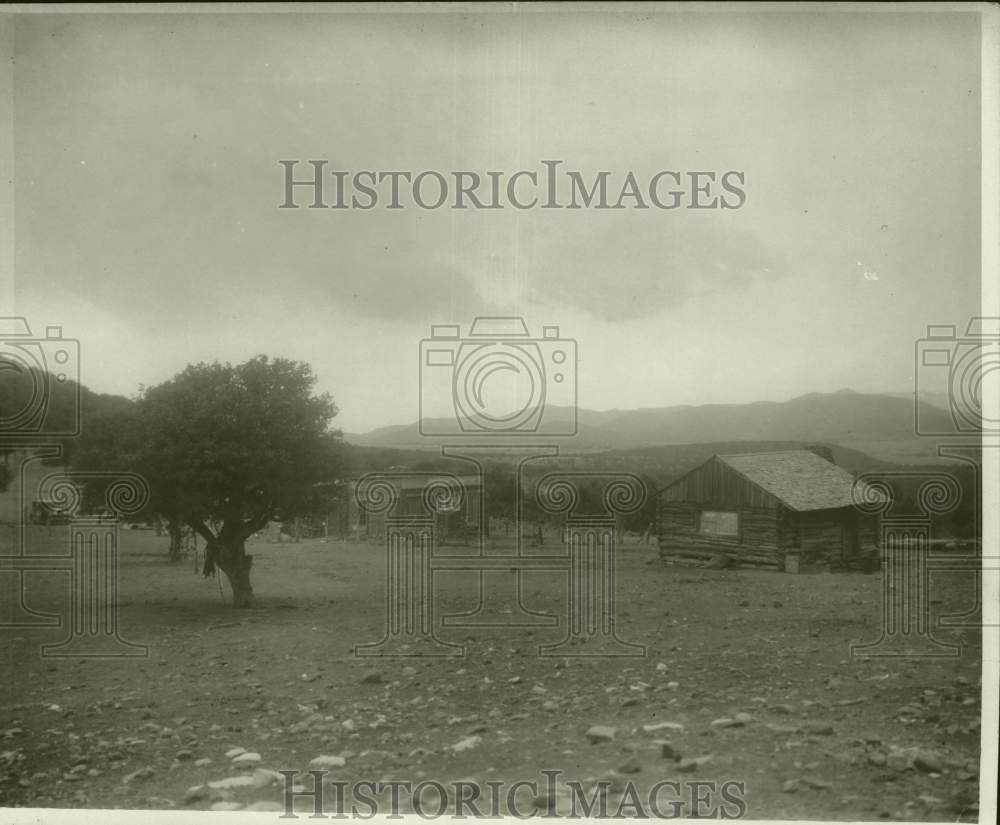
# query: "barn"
(787, 510)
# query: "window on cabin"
(719, 523)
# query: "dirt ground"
(819, 734)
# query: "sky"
(147, 182)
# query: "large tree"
(228, 448)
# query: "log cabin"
(783, 510)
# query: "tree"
(106, 426)
(33, 403)
(226, 449)
(107, 442)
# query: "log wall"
(826, 538)
(821, 537)
(869, 535)
(680, 541)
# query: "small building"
(459, 524)
(766, 509)
(24, 497)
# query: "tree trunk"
(233, 560)
(176, 550)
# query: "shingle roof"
(800, 479)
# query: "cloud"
(637, 265)
(397, 290)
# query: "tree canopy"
(227, 448)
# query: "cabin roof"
(799, 479)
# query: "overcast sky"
(147, 185)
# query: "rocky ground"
(747, 679)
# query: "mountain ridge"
(881, 424)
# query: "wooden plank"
(717, 484)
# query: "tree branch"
(257, 523)
(202, 530)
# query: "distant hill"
(938, 399)
(880, 425)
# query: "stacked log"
(681, 542)
(737, 554)
(759, 528)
